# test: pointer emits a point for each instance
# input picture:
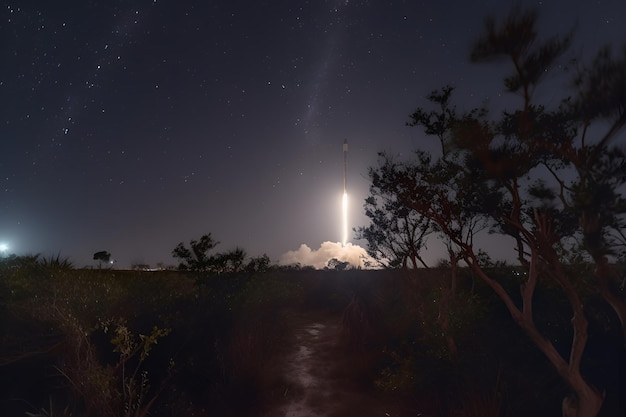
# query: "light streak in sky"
(344, 217)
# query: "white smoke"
(355, 255)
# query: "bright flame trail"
(344, 216)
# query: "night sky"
(129, 126)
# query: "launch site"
(303, 208)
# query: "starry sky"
(132, 125)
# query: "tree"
(396, 234)
(231, 261)
(258, 264)
(594, 197)
(485, 177)
(435, 190)
(102, 256)
(196, 257)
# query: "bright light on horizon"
(344, 217)
(3, 247)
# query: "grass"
(177, 343)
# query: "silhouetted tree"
(396, 235)
(485, 177)
(102, 256)
(231, 261)
(258, 264)
(236, 259)
(596, 196)
(196, 257)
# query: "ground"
(323, 376)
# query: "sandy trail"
(309, 371)
(321, 383)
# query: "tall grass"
(88, 338)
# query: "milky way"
(129, 126)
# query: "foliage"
(226, 340)
(56, 263)
(258, 264)
(198, 259)
(396, 234)
(401, 374)
(484, 179)
(135, 387)
(120, 389)
(51, 411)
(102, 256)
(13, 262)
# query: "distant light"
(4, 247)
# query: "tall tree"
(596, 195)
(485, 176)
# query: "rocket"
(344, 200)
(345, 165)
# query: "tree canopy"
(550, 178)
(198, 257)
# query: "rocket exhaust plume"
(344, 200)
(344, 251)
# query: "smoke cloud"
(355, 255)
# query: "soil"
(324, 378)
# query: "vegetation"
(102, 257)
(110, 343)
(396, 236)
(208, 338)
(131, 343)
(197, 258)
(549, 179)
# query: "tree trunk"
(587, 403)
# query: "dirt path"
(323, 378)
